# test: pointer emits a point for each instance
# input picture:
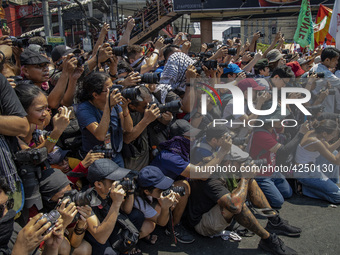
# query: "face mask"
(6, 226)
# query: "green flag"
(304, 34)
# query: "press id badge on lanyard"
(107, 142)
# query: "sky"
(219, 27)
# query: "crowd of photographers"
(98, 148)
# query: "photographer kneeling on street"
(104, 226)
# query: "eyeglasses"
(9, 204)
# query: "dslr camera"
(173, 107)
(88, 197)
(52, 217)
(119, 51)
(108, 153)
(127, 184)
(177, 189)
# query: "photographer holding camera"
(101, 117)
(54, 188)
(155, 204)
(116, 204)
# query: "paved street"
(319, 221)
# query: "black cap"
(261, 64)
(62, 50)
(30, 57)
(182, 127)
(106, 169)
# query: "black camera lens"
(51, 217)
(119, 51)
(127, 184)
(150, 78)
(131, 93)
(210, 45)
(210, 64)
(108, 153)
(232, 51)
(177, 189)
(168, 41)
(173, 107)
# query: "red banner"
(319, 37)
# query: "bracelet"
(155, 53)
(113, 76)
(51, 140)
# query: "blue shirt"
(86, 114)
(171, 164)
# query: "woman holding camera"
(152, 202)
(312, 176)
(103, 115)
(34, 101)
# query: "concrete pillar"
(206, 31)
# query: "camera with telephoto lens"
(108, 153)
(127, 184)
(173, 107)
(81, 198)
(19, 42)
(29, 169)
(232, 51)
(150, 78)
(257, 162)
(177, 189)
(132, 93)
(318, 74)
(52, 217)
(210, 45)
(168, 40)
(119, 51)
(210, 64)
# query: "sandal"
(150, 239)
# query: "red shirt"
(78, 169)
(261, 143)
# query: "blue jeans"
(321, 188)
(275, 188)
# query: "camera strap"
(172, 227)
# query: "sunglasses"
(9, 204)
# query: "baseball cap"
(274, 55)
(296, 68)
(261, 64)
(36, 48)
(232, 68)
(62, 50)
(236, 154)
(57, 155)
(152, 176)
(249, 83)
(183, 128)
(106, 169)
(30, 57)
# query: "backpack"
(127, 236)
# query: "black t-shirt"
(204, 196)
(10, 106)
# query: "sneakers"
(276, 246)
(182, 235)
(283, 228)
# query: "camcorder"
(51, 217)
(177, 189)
(108, 153)
(173, 107)
(29, 164)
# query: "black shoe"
(276, 246)
(283, 228)
(182, 235)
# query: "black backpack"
(127, 236)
